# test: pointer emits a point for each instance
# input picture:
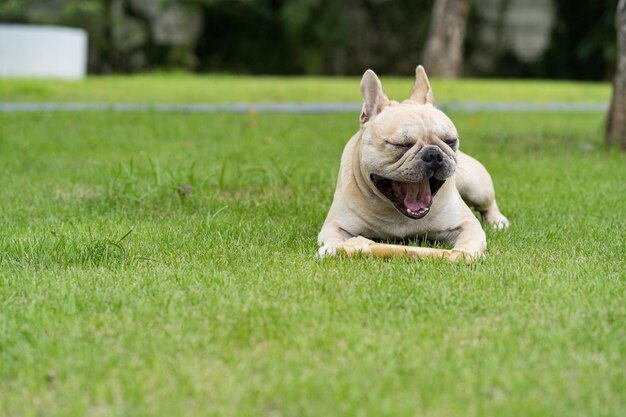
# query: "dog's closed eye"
(451, 142)
(401, 145)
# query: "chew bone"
(360, 245)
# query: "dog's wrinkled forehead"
(412, 121)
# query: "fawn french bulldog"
(402, 176)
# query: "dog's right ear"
(422, 92)
(374, 98)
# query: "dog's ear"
(422, 93)
(374, 98)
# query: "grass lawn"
(162, 265)
(182, 88)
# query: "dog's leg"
(476, 188)
(492, 216)
(471, 242)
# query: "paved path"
(466, 106)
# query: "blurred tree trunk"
(444, 46)
(616, 118)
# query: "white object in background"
(42, 51)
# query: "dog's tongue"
(416, 195)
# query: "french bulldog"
(402, 175)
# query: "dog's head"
(408, 149)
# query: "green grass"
(177, 88)
(125, 295)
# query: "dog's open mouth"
(413, 199)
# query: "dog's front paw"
(457, 255)
(327, 251)
(356, 245)
(350, 247)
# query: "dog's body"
(402, 176)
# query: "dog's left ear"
(422, 92)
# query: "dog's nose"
(432, 156)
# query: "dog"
(402, 176)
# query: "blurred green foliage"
(582, 45)
(336, 37)
(313, 36)
(583, 41)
